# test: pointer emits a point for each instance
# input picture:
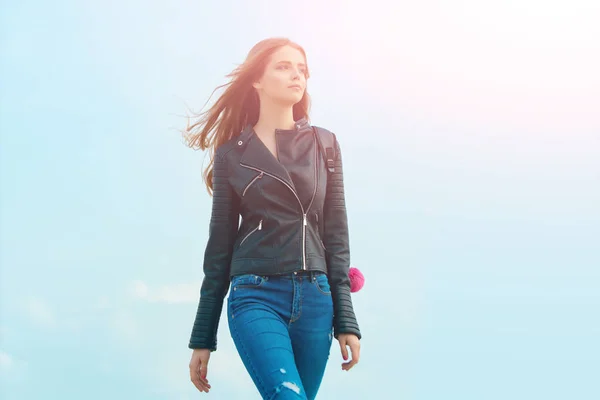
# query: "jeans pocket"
(243, 288)
(247, 281)
(322, 283)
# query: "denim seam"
(316, 283)
(293, 298)
(247, 285)
(254, 372)
(299, 302)
(322, 292)
(301, 297)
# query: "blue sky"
(471, 139)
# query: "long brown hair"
(239, 104)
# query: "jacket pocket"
(257, 177)
(258, 228)
(319, 231)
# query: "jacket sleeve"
(336, 241)
(217, 258)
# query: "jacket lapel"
(257, 155)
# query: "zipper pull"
(305, 223)
(260, 225)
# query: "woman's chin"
(291, 99)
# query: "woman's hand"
(351, 340)
(199, 369)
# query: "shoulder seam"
(222, 150)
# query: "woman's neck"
(274, 117)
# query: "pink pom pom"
(357, 279)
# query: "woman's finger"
(197, 379)
(343, 348)
(355, 349)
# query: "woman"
(286, 265)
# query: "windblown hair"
(239, 104)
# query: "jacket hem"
(273, 266)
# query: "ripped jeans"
(282, 327)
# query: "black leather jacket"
(284, 228)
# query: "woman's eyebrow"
(289, 62)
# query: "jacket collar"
(257, 155)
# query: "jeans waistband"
(309, 274)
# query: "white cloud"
(12, 369)
(169, 367)
(172, 294)
(139, 289)
(6, 361)
(40, 312)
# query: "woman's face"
(284, 79)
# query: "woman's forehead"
(288, 54)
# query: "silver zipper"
(258, 228)
(319, 231)
(252, 182)
(304, 222)
(316, 180)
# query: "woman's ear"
(257, 85)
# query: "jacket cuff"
(206, 324)
(344, 320)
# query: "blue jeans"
(282, 327)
